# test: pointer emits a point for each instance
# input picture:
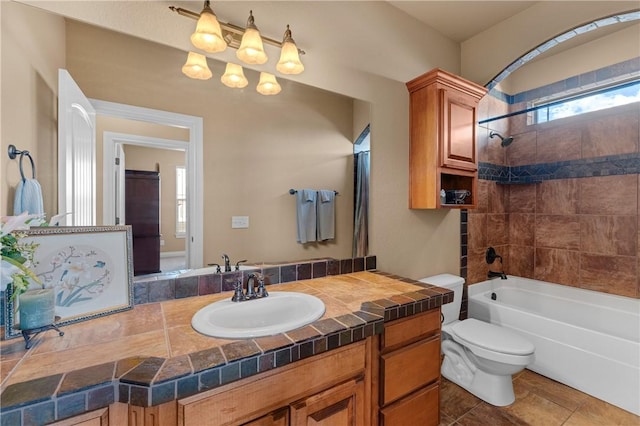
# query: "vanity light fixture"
(251, 50)
(214, 36)
(268, 84)
(234, 76)
(196, 67)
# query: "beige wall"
(28, 113)
(486, 54)
(164, 161)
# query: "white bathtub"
(584, 339)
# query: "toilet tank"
(450, 311)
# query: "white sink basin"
(280, 312)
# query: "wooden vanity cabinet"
(442, 153)
(409, 371)
(326, 389)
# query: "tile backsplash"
(561, 203)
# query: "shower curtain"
(361, 210)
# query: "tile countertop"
(150, 354)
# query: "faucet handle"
(238, 264)
(218, 270)
(262, 291)
(238, 295)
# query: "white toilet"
(478, 356)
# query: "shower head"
(505, 141)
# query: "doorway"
(165, 157)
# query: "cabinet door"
(277, 418)
(419, 408)
(94, 418)
(458, 138)
(342, 405)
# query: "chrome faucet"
(227, 263)
(252, 292)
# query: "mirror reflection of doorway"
(159, 219)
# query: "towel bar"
(293, 191)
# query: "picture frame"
(90, 268)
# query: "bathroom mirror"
(255, 148)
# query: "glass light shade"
(234, 77)
(289, 62)
(251, 50)
(268, 84)
(196, 67)
(208, 35)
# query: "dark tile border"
(622, 164)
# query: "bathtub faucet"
(493, 274)
(227, 263)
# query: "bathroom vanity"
(373, 358)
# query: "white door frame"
(194, 165)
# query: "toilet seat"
(488, 336)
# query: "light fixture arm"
(230, 28)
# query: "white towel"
(326, 215)
(306, 215)
(28, 197)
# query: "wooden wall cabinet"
(409, 371)
(442, 153)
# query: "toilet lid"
(492, 337)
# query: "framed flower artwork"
(89, 268)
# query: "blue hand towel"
(326, 215)
(306, 215)
(28, 197)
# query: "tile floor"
(539, 401)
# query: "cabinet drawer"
(421, 408)
(410, 329)
(409, 368)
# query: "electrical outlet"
(239, 222)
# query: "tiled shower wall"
(579, 225)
